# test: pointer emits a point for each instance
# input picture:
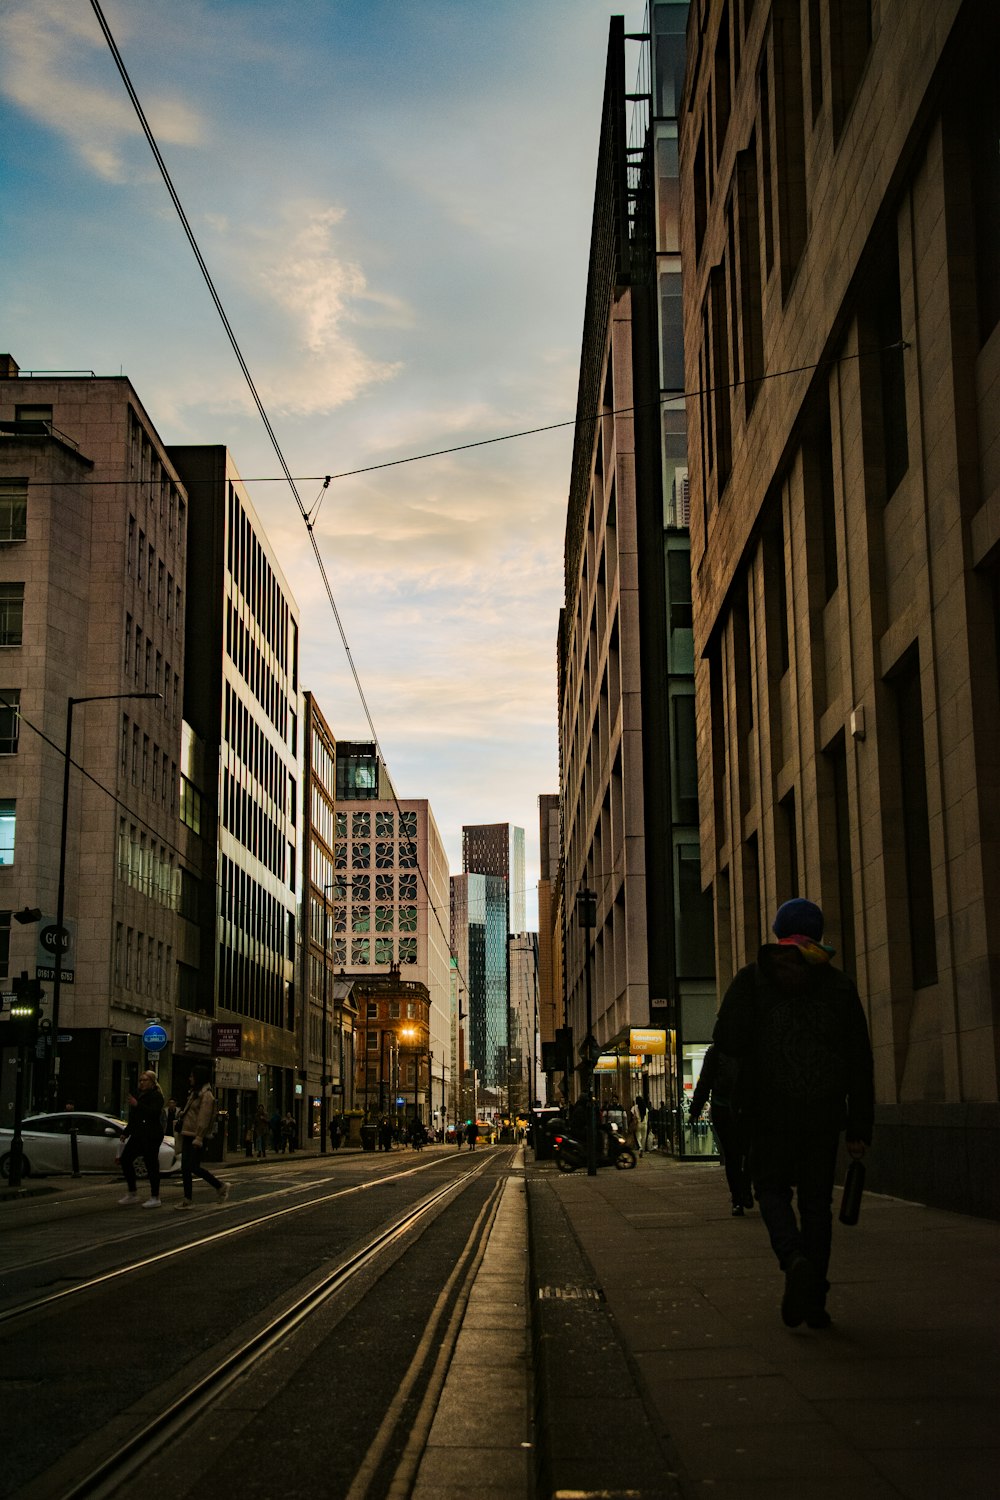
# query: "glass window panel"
(407, 919)
(361, 825)
(11, 613)
(10, 720)
(340, 856)
(385, 856)
(408, 950)
(408, 824)
(360, 950)
(383, 918)
(361, 919)
(341, 825)
(8, 826)
(361, 855)
(383, 950)
(407, 857)
(407, 888)
(13, 510)
(383, 885)
(384, 825)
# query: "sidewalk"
(898, 1398)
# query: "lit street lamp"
(52, 1076)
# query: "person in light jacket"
(193, 1120)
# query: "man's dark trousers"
(806, 1164)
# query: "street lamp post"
(52, 1067)
(324, 1122)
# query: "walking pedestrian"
(196, 1121)
(289, 1133)
(170, 1126)
(798, 1028)
(718, 1080)
(335, 1133)
(260, 1132)
(640, 1122)
(142, 1137)
(471, 1132)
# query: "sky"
(394, 200)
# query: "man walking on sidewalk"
(798, 1028)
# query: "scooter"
(570, 1154)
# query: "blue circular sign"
(154, 1039)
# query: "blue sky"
(394, 202)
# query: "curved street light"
(52, 1065)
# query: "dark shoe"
(737, 1210)
(818, 1317)
(798, 1289)
(748, 1201)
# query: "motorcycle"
(570, 1154)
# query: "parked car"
(47, 1146)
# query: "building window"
(11, 614)
(892, 377)
(190, 810)
(13, 510)
(850, 43)
(10, 720)
(408, 950)
(383, 950)
(360, 950)
(361, 855)
(8, 824)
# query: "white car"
(47, 1147)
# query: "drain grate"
(570, 1294)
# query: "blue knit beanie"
(798, 918)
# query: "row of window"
(253, 990)
(247, 821)
(247, 739)
(387, 918)
(147, 865)
(143, 963)
(152, 576)
(247, 656)
(161, 495)
(148, 669)
(385, 825)
(386, 950)
(254, 911)
(146, 765)
(254, 577)
(388, 856)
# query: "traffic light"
(25, 1011)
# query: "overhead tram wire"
(272, 435)
(665, 398)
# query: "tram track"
(118, 1469)
(369, 1283)
(257, 1221)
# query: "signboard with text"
(227, 1039)
(648, 1040)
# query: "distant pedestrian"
(289, 1133)
(719, 1079)
(248, 1139)
(471, 1132)
(195, 1121)
(261, 1130)
(170, 1124)
(385, 1134)
(640, 1122)
(335, 1133)
(798, 1028)
(142, 1136)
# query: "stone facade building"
(841, 240)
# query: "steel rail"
(36, 1304)
(106, 1478)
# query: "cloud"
(47, 47)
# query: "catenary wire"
(286, 471)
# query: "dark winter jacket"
(800, 1033)
(719, 1077)
(145, 1117)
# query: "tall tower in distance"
(498, 849)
